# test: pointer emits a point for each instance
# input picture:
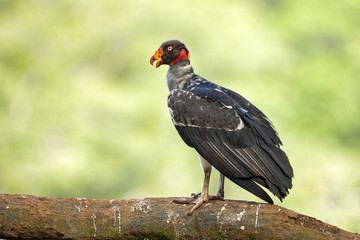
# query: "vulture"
(228, 132)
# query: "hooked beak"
(157, 56)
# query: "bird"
(227, 131)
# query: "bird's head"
(169, 53)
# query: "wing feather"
(245, 148)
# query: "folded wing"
(228, 132)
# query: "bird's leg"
(195, 197)
(220, 191)
(204, 197)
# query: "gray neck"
(179, 74)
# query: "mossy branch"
(31, 217)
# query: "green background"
(84, 114)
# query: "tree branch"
(31, 217)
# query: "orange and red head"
(169, 53)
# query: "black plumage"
(225, 129)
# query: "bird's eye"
(169, 48)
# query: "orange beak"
(157, 56)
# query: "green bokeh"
(83, 114)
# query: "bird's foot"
(216, 197)
(195, 196)
(203, 198)
(187, 200)
(219, 195)
(197, 200)
(183, 200)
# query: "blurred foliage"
(83, 114)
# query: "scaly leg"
(220, 191)
(204, 197)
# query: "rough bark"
(31, 217)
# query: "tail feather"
(252, 187)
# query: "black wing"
(223, 131)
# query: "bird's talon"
(183, 201)
(198, 203)
(216, 197)
(195, 196)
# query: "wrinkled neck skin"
(178, 74)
